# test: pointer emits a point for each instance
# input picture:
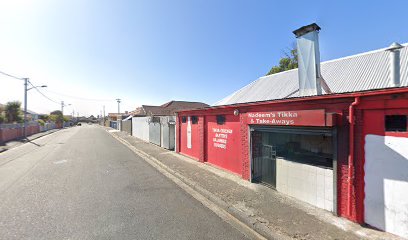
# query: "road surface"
(81, 183)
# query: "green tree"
(41, 122)
(56, 116)
(288, 62)
(13, 112)
(2, 117)
(44, 117)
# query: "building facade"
(346, 153)
(333, 135)
(156, 124)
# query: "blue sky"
(150, 52)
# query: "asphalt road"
(81, 183)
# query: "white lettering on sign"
(220, 138)
(286, 118)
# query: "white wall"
(386, 183)
(310, 184)
(140, 128)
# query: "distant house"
(156, 124)
(147, 110)
(167, 109)
(32, 116)
(117, 116)
(113, 116)
(114, 119)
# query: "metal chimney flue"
(309, 60)
(395, 64)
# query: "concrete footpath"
(17, 142)
(271, 214)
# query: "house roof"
(148, 110)
(174, 106)
(31, 112)
(115, 114)
(354, 73)
(169, 108)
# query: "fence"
(16, 130)
(47, 126)
(127, 126)
(140, 128)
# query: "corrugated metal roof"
(359, 72)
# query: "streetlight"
(118, 100)
(25, 102)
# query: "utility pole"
(103, 115)
(26, 89)
(25, 106)
(62, 112)
(118, 100)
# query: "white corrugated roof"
(365, 71)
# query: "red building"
(334, 137)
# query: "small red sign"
(288, 118)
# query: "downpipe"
(350, 178)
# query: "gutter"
(350, 178)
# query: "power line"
(80, 98)
(9, 75)
(75, 97)
(43, 94)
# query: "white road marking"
(61, 161)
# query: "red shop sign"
(288, 118)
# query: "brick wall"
(178, 132)
(246, 165)
(201, 134)
(14, 131)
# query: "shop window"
(220, 119)
(183, 119)
(316, 149)
(194, 119)
(396, 123)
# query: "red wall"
(236, 156)
(196, 147)
(373, 114)
(220, 136)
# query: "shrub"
(41, 122)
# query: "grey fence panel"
(154, 132)
(168, 132)
(165, 133)
(140, 128)
(127, 126)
